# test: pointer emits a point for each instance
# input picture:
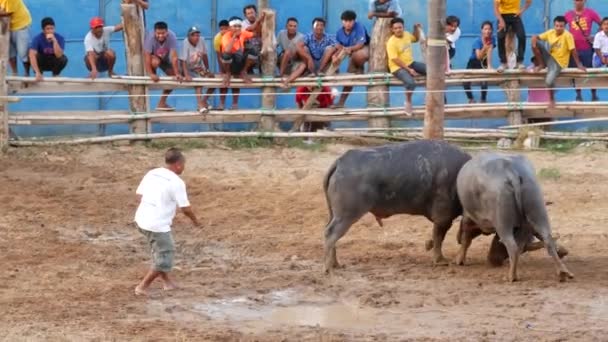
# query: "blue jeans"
(406, 78)
(553, 68)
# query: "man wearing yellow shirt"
(217, 47)
(21, 20)
(508, 13)
(561, 47)
(401, 58)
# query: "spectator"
(20, 22)
(288, 59)
(195, 63)
(217, 46)
(481, 58)
(600, 44)
(160, 51)
(325, 98)
(253, 44)
(508, 13)
(317, 48)
(236, 59)
(99, 57)
(384, 9)
(561, 47)
(401, 58)
(452, 34)
(46, 50)
(353, 38)
(580, 21)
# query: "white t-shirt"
(92, 43)
(453, 37)
(601, 42)
(193, 55)
(162, 191)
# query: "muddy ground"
(71, 258)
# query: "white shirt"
(601, 42)
(162, 191)
(92, 43)
(453, 37)
(193, 55)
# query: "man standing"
(561, 48)
(384, 9)
(161, 191)
(401, 58)
(353, 38)
(317, 48)
(99, 57)
(195, 63)
(580, 21)
(160, 51)
(289, 61)
(46, 50)
(21, 21)
(253, 44)
(508, 13)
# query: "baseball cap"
(193, 29)
(96, 22)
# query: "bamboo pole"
(4, 55)
(132, 18)
(269, 63)
(436, 66)
(377, 95)
(553, 123)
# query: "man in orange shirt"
(236, 58)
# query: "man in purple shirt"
(46, 50)
(353, 38)
(580, 21)
(317, 48)
(160, 51)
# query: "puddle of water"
(336, 316)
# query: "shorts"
(237, 60)
(101, 64)
(586, 57)
(162, 247)
(597, 61)
(165, 65)
(351, 66)
(19, 44)
(292, 65)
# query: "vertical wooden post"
(512, 86)
(139, 103)
(4, 46)
(435, 76)
(377, 95)
(269, 62)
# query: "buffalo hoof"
(441, 261)
(561, 251)
(565, 275)
(428, 245)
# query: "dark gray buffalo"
(416, 178)
(499, 193)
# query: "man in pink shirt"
(580, 21)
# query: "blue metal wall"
(72, 19)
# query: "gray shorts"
(19, 44)
(162, 247)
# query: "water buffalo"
(416, 178)
(499, 193)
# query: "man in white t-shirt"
(99, 57)
(600, 45)
(161, 192)
(194, 62)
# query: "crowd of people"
(238, 46)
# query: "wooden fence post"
(139, 103)
(4, 46)
(436, 66)
(269, 63)
(512, 86)
(377, 95)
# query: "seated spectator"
(509, 14)
(384, 9)
(99, 57)
(600, 44)
(46, 50)
(253, 44)
(324, 100)
(160, 51)
(19, 40)
(401, 58)
(481, 58)
(217, 46)
(353, 38)
(452, 34)
(561, 47)
(317, 48)
(195, 63)
(288, 59)
(236, 59)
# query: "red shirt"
(324, 98)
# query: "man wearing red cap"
(99, 57)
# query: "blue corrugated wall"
(72, 19)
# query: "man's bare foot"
(139, 291)
(110, 74)
(169, 286)
(226, 80)
(246, 78)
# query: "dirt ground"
(71, 257)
